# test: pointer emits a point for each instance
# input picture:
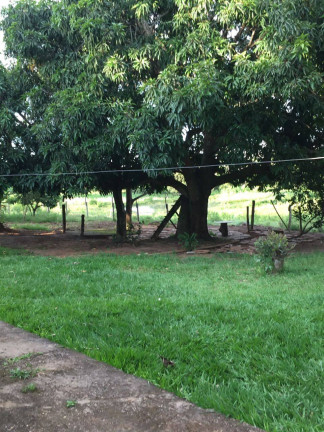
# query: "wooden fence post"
(137, 211)
(63, 218)
(86, 206)
(82, 226)
(252, 215)
(248, 218)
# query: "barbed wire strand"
(116, 171)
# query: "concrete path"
(106, 399)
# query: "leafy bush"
(274, 247)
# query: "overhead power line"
(116, 171)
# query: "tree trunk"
(193, 214)
(194, 210)
(199, 214)
(121, 213)
(184, 224)
(129, 206)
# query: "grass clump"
(189, 241)
(243, 343)
(19, 358)
(29, 388)
(71, 403)
(23, 374)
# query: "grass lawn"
(245, 344)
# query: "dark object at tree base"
(224, 229)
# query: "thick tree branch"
(172, 182)
(240, 175)
(250, 44)
(138, 197)
(177, 185)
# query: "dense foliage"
(150, 84)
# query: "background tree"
(20, 148)
(76, 106)
(11, 149)
(33, 200)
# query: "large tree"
(175, 83)
(223, 82)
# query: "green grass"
(31, 226)
(244, 343)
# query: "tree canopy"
(154, 84)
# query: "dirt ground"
(55, 243)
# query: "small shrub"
(189, 241)
(93, 202)
(272, 250)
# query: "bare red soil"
(55, 243)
